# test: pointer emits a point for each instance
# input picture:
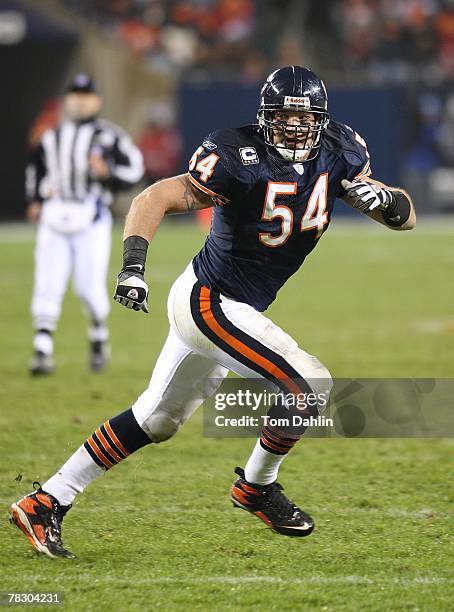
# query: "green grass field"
(158, 532)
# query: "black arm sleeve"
(398, 211)
(135, 253)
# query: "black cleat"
(99, 355)
(39, 516)
(41, 364)
(271, 505)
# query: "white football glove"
(132, 290)
(367, 196)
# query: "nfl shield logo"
(299, 168)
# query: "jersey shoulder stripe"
(365, 172)
(219, 199)
(220, 167)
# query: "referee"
(71, 180)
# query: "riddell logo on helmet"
(297, 103)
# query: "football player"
(273, 187)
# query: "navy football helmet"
(297, 89)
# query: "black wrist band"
(135, 252)
(398, 211)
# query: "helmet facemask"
(295, 143)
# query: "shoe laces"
(56, 516)
(280, 502)
(273, 496)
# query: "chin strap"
(289, 155)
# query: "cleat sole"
(19, 518)
(237, 504)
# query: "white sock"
(43, 342)
(262, 467)
(73, 477)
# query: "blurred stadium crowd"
(393, 40)
(381, 40)
(173, 36)
(375, 43)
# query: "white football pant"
(209, 335)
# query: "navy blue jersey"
(270, 213)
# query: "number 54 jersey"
(269, 213)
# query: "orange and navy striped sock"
(115, 439)
(276, 442)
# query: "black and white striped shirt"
(59, 165)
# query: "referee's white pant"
(209, 335)
(85, 254)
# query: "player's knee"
(320, 374)
(317, 376)
(310, 367)
(321, 385)
(161, 426)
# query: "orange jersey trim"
(206, 190)
(366, 171)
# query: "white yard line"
(438, 325)
(248, 580)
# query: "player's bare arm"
(169, 196)
(390, 206)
